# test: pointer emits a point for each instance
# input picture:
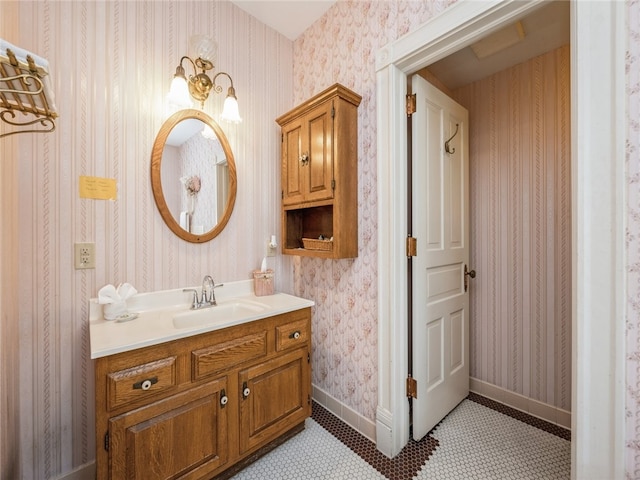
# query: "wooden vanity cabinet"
(319, 171)
(203, 407)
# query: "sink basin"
(225, 312)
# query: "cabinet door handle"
(245, 390)
(295, 335)
(304, 158)
(145, 384)
(223, 398)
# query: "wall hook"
(447, 148)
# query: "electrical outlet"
(85, 255)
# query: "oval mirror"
(193, 176)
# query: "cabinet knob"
(295, 335)
(145, 384)
(245, 390)
(304, 158)
(224, 399)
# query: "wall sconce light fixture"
(199, 85)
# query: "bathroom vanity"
(206, 392)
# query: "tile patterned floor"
(480, 439)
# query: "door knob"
(468, 273)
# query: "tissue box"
(263, 282)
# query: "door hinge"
(333, 112)
(411, 104)
(106, 441)
(333, 184)
(412, 246)
(308, 357)
(412, 387)
(282, 138)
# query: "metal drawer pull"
(245, 390)
(145, 384)
(295, 335)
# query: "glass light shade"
(230, 112)
(204, 47)
(179, 93)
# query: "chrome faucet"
(208, 296)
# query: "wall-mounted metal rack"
(24, 92)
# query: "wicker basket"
(315, 244)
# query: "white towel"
(115, 299)
(43, 70)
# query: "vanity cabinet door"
(307, 157)
(274, 396)
(180, 437)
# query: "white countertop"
(154, 324)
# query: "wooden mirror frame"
(156, 183)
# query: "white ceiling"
(289, 17)
(545, 29)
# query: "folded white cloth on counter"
(115, 299)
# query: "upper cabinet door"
(307, 157)
(318, 172)
(292, 163)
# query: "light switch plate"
(85, 255)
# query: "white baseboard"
(349, 416)
(85, 472)
(547, 412)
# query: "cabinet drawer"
(125, 386)
(292, 334)
(226, 355)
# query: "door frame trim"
(598, 119)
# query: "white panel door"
(441, 226)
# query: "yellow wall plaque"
(98, 188)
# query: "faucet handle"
(194, 302)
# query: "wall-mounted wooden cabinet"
(320, 175)
(203, 406)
